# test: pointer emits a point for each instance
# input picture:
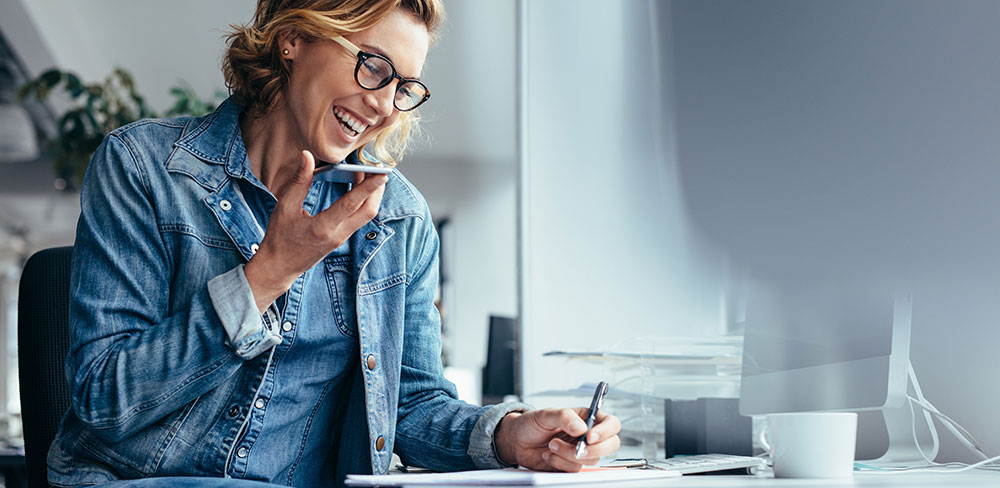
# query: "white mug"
(811, 444)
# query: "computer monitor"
(820, 349)
(831, 347)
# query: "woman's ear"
(288, 41)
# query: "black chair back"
(499, 372)
(42, 344)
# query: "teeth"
(351, 122)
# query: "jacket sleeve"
(130, 364)
(434, 429)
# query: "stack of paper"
(508, 477)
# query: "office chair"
(42, 344)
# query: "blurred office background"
(671, 152)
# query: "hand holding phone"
(295, 240)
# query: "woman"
(232, 318)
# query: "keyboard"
(706, 463)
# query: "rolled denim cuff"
(248, 332)
(482, 448)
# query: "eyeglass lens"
(375, 72)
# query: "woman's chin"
(334, 150)
(333, 154)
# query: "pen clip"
(602, 390)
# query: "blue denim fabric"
(169, 358)
(187, 482)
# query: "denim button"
(254, 248)
(241, 452)
(225, 205)
(380, 443)
(371, 361)
(371, 235)
(234, 411)
(259, 403)
(287, 326)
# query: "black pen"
(595, 404)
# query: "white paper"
(508, 477)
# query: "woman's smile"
(352, 125)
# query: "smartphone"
(344, 172)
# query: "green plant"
(188, 103)
(99, 108)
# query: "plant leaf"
(73, 85)
(51, 77)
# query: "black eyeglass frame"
(364, 56)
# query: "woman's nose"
(382, 99)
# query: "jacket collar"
(216, 139)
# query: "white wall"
(857, 140)
(470, 73)
(610, 254)
(161, 43)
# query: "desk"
(975, 479)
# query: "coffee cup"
(811, 444)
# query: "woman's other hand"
(545, 440)
(295, 241)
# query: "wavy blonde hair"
(256, 75)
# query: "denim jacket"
(169, 353)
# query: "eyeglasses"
(375, 71)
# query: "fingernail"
(546, 456)
(553, 446)
(592, 438)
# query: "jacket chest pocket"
(340, 278)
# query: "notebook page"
(508, 477)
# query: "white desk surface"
(967, 479)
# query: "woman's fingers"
(551, 434)
(598, 450)
(353, 201)
(560, 463)
(295, 191)
(374, 200)
(590, 454)
(567, 420)
(369, 209)
(605, 426)
(567, 451)
(602, 439)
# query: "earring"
(285, 52)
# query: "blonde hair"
(256, 75)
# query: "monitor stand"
(905, 432)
